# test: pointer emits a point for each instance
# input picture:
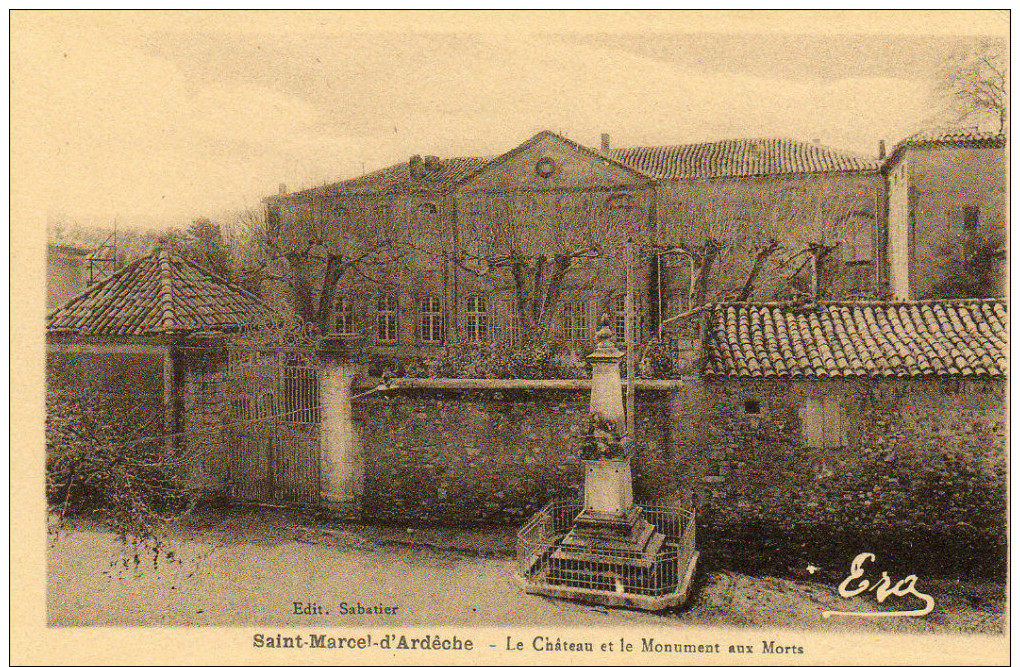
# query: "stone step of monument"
(621, 522)
(634, 540)
(567, 560)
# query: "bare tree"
(974, 82)
(313, 247)
(204, 244)
(538, 241)
(740, 240)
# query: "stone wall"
(919, 476)
(915, 474)
(920, 470)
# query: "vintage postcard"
(517, 338)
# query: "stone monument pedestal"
(612, 552)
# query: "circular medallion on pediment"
(545, 167)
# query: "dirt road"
(250, 570)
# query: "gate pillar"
(342, 461)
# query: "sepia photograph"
(523, 336)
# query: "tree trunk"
(552, 292)
(301, 290)
(756, 268)
(710, 252)
(327, 296)
(523, 308)
(536, 292)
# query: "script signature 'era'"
(883, 589)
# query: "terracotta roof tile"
(161, 293)
(889, 339)
(397, 177)
(731, 157)
(963, 137)
(741, 157)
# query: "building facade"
(942, 186)
(66, 274)
(486, 250)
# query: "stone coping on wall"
(474, 384)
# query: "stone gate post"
(341, 454)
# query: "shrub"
(106, 460)
(502, 361)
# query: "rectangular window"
(970, 218)
(575, 322)
(344, 316)
(856, 242)
(431, 322)
(620, 319)
(476, 320)
(822, 422)
(386, 318)
(511, 321)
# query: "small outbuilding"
(131, 333)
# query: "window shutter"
(833, 422)
(811, 422)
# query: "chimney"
(416, 166)
(283, 188)
(881, 149)
(605, 142)
(432, 162)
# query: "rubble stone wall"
(920, 466)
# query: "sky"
(155, 120)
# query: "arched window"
(386, 318)
(431, 320)
(477, 320)
(344, 315)
(620, 202)
(340, 213)
(575, 322)
(382, 213)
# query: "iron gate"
(272, 415)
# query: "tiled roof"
(733, 157)
(961, 338)
(398, 177)
(741, 157)
(161, 293)
(963, 137)
(952, 136)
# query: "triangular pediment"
(550, 161)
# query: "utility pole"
(629, 337)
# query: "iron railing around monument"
(550, 564)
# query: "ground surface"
(249, 568)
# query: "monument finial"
(605, 348)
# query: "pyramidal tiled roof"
(161, 293)
(960, 338)
(742, 157)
